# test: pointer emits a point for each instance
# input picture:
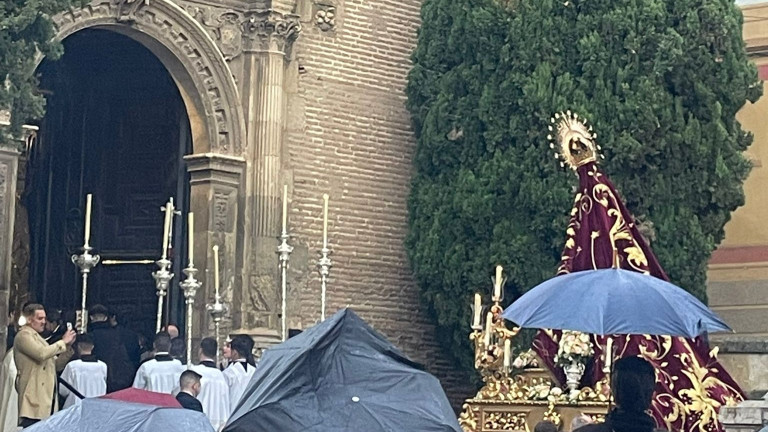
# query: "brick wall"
(349, 135)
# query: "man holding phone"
(37, 363)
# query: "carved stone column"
(9, 165)
(268, 37)
(215, 198)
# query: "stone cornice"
(269, 30)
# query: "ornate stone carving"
(271, 31)
(325, 16)
(469, 418)
(196, 63)
(220, 211)
(225, 28)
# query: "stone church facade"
(308, 93)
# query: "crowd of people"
(48, 366)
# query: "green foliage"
(661, 82)
(26, 33)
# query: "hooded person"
(602, 234)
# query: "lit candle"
(507, 353)
(191, 233)
(478, 306)
(325, 221)
(497, 284)
(166, 228)
(285, 209)
(608, 354)
(488, 329)
(216, 269)
(87, 239)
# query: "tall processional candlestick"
(85, 261)
(163, 275)
(217, 309)
(284, 252)
(190, 285)
(324, 264)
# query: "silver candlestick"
(85, 261)
(324, 265)
(162, 278)
(217, 310)
(284, 250)
(190, 285)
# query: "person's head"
(53, 319)
(84, 344)
(580, 420)
(162, 342)
(173, 331)
(190, 382)
(633, 380)
(34, 315)
(226, 350)
(178, 349)
(207, 348)
(242, 347)
(545, 426)
(98, 313)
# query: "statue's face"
(580, 146)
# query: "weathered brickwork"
(349, 135)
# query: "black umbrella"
(341, 375)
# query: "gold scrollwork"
(505, 421)
(469, 418)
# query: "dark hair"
(633, 381)
(98, 309)
(53, 315)
(31, 308)
(545, 426)
(188, 378)
(208, 347)
(162, 342)
(243, 344)
(178, 349)
(84, 340)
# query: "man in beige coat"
(37, 363)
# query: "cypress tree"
(661, 81)
(26, 32)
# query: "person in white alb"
(241, 368)
(161, 374)
(87, 375)
(9, 398)
(214, 389)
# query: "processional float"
(565, 373)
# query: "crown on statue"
(573, 138)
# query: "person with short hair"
(545, 426)
(111, 346)
(632, 383)
(179, 349)
(241, 369)
(161, 374)
(189, 385)
(579, 421)
(37, 363)
(214, 389)
(87, 374)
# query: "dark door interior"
(115, 127)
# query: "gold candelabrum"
(517, 393)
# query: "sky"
(749, 2)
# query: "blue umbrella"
(613, 301)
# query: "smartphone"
(69, 326)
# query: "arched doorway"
(116, 126)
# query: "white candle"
(325, 221)
(191, 233)
(478, 307)
(507, 353)
(166, 228)
(87, 238)
(216, 269)
(608, 354)
(497, 284)
(285, 209)
(488, 329)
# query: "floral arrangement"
(526, 359)
(574, 346)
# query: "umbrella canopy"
(341, 375)
(614, 301)
(99, 414)
(144, 396)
